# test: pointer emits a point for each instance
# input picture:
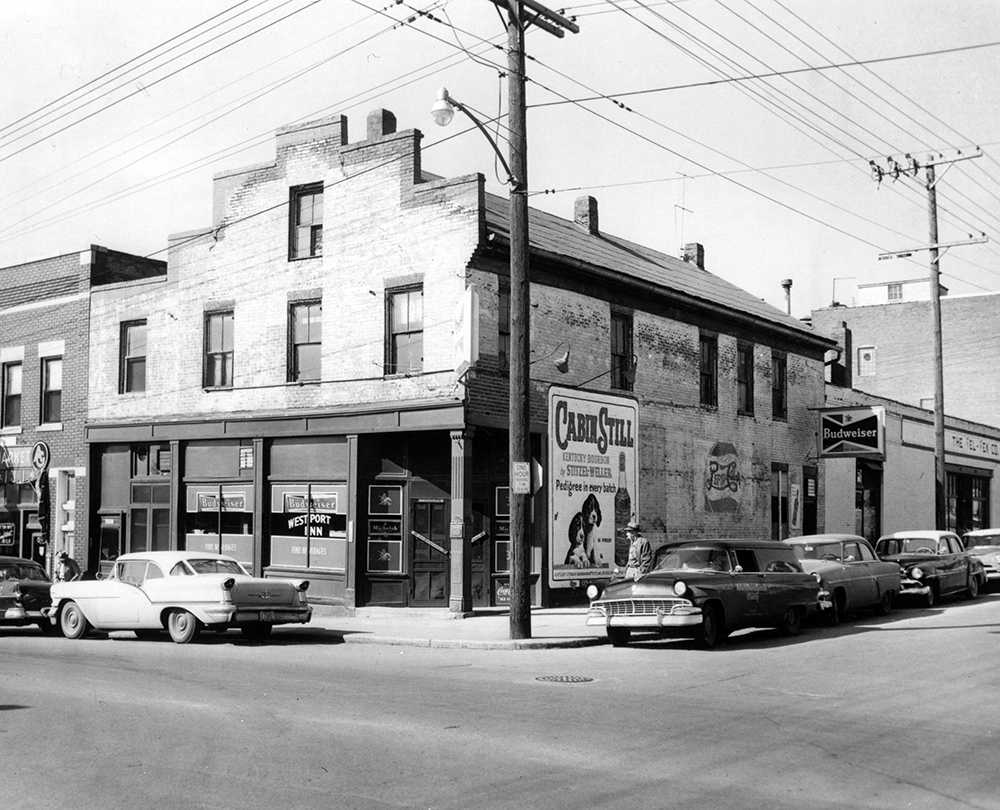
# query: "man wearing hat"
(68, 569)
(640, 554)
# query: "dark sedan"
(932, 564)
(706, 589)
(24, 591)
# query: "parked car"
(850, 572)
(180, 592)
(706, 589)
(985, 544)
(24, 592)
(932, 564)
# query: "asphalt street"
(890, 712)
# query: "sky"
(748, 127)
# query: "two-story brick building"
(304, 411)
(44, 357)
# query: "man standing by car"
(67, 569)
(640, 553)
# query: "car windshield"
(971, 541)
(818, 551)
(910, 545)
(701, 559)
(215, 567)
(32, 572)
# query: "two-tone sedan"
(850, 572)
(932, 563)
(985, 544)
(707, 589)
(180, 592)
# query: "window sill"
(750, 414)
(16, 430)
(50, 427)
(304, 258)
(211, 389)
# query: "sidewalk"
(483, 630)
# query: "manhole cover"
(564, 679)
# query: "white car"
(180, 592)
(985, 544)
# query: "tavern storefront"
(416, 518)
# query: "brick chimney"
(694, 253)
(380, 124)
(841, 369)
(585, 214)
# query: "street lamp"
(443, 112)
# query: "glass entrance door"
(429, 552)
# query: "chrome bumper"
(653, 621)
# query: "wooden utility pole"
(897, 170)
(521, 13)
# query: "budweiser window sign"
(852, 432)
(593, 482)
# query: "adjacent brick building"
(305, 410)
(44, 357)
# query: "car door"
(787, 584)
(861, 588)
(751, 603)
(116, 602)
(155, 588)
(955, 562)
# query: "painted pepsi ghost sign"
(723, 479)
(852, 432)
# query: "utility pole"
(896, 171)
(521, 14)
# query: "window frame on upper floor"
(7, 419)
(866, 368)
(132, 356)
(744, 378)
(779, 385)
(708, 370)
(50, 412)
(305, 340)
(503, 328)
(622, 350)
(212, 352)
(305, 234)
(409, 331)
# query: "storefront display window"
(309, 526)
(220, 520)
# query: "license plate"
(267, 615)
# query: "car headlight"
(593, 592)
(916, 573)
(680, 587)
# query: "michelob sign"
(852, 432)
(592, 481)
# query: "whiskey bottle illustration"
(623, 514)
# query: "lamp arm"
(489, 137)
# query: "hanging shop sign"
(857, 432)
(592, 481)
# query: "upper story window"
(219, 350)
(621, 351)
(132, 375)
(306, 341)
(866, 361)
(405, 318)
(779, 386)
(306, 238)
(11, 413)
(709, 371)
(744, 378)
(503, 329)
(51, 390)
(895, 292)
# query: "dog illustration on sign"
(582, 541)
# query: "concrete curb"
(475, 644)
